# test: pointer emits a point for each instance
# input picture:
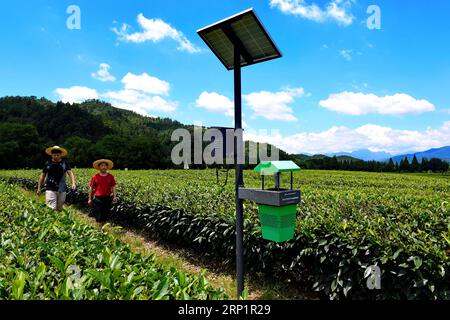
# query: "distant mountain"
(347, 158)
(321, 156)
(440, 153)
(365, 155)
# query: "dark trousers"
(101, 208)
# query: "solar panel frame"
(232, 23)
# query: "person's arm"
(91, 194)
(42, 178)
(114, 191)
(72, 177)
(91, 191)
(41, 182)
(114, 188)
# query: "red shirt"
(103, 184)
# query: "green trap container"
(277, 206)
(278, 223)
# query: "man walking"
(55, 171)
(103, 186)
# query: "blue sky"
(339, 86)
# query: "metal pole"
(239, 175)
(292, 180)
(277, 180)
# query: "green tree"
(425, 165)
(113, 147)
(437, 165)
(390, 166)
(146, 152)
(445, 166)
(19, 146)
(334, 163)
(80, 151)
(404, 165)
(415, 166)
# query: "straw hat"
(51, 149)
(97, 164)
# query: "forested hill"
(53, 122)
(128, 122)
(90, 130)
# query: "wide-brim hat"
(50, 150)
(97, 164)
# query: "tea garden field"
(346, 222)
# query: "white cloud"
(146, 83)
(76, 94)
(338, 10)
(141, 94)
(346, 54)
(273, 105)
(139, 102)
(215, 102)
(103, 74)
(335, 10)
(359, 104)
(155, 30)
(373, 137)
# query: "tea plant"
(44, 255)
(347, 221)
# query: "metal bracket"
(277, 198)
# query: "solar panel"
(245, 31)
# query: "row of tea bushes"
(48, 255)
(346, 223)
